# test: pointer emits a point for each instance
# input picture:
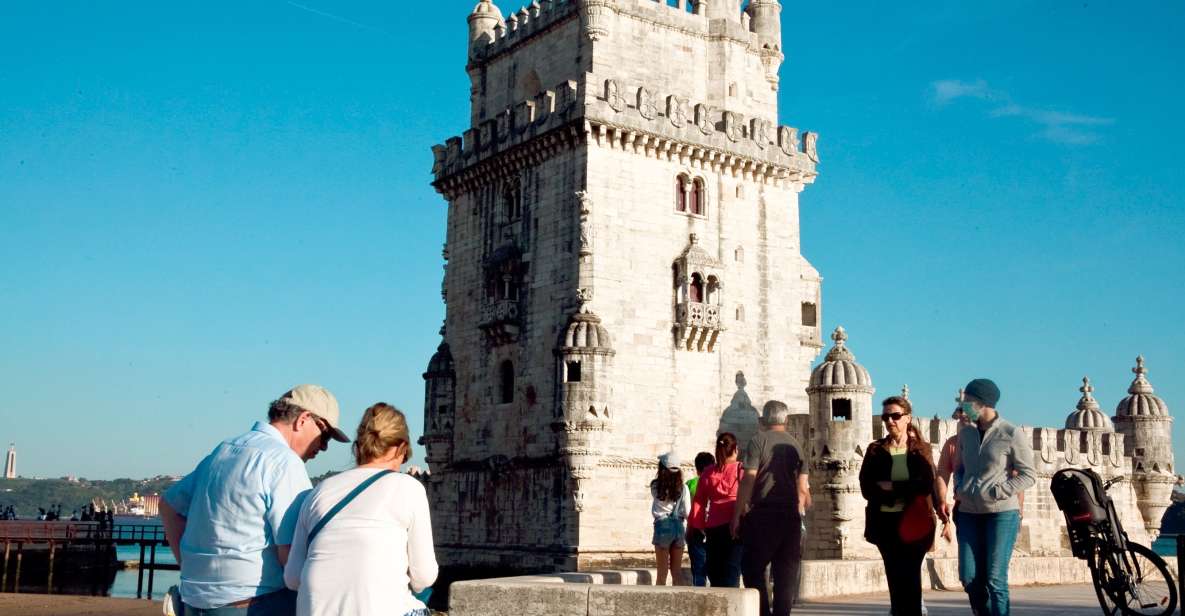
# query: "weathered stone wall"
(584, 117)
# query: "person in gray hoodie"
(994, 466)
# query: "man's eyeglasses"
(892, 416)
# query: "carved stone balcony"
(500, 321)
(697, 326)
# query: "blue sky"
(203, 204)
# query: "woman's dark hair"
(726, 445)
(668, 484)
(900, 401)
(915, 441)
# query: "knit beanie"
(983, 390)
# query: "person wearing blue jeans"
(993, 467)
(985, 549)
(697, 546)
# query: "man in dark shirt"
(773, 497)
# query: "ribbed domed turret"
(441, 363)
(486, 7)
(483, 21)
(1142, 401)
(585, 333)
(840, 370)
(1087, 415)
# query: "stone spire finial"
(1140, 385)
(1087, 403)
(905, 391)
(840, 352)
(693, 239)
(959, 396)
(840, 335)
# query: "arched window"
(506, 382)
(713, 288)
(696, 197)
(681, 189)
(740, 313)
(696, 289)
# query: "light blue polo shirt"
(240, 502)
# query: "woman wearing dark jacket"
(897, 480)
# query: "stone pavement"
(1026, 601)
(63, 605)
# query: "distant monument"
(10, 462)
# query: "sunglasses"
(323, 426)
(893, 416)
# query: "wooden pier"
(74, 557)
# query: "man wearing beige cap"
(230, 521)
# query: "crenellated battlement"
(535, 18)
(645, 121)
(1053, 448)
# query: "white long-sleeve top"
(364, 560)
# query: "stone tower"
(10, 462)
(840, 427)
(623, 273)
(1143, 419)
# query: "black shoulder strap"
(346, 501)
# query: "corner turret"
(841, 417)
(584, 358)
(439, 407)
(765, 19)
(483, 22)
(1144, 420)
(1087, 415)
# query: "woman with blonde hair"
(363, 540)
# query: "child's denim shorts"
(669, 532)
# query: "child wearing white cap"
(670, 507)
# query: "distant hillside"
(27, 495)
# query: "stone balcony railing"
(697, 326)
(500, 320)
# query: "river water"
(125, 581)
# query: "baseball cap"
(318, 401)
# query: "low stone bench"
(607, 593)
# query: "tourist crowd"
(743, 516)
(252, 536)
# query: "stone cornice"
(629, 119)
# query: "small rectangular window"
(810, 315)
(573, 372)
(841, 409)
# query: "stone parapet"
(631, 591)
(556, 596)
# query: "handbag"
(360, 488)
(917, 522)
